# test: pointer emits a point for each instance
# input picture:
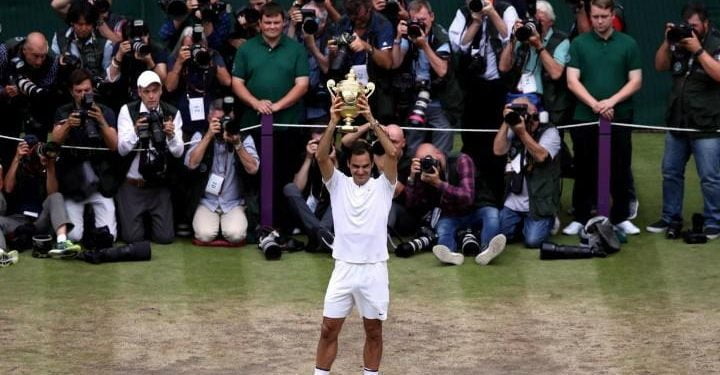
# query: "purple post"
(266, 171)
(603, 192)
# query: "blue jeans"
(678, 149)
(434, 118)
(487, 217)
(535, 231)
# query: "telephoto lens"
(425, 240)
(417, 116)
(470, 245)
(269, 245)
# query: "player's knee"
(373, 332)
(329, 330)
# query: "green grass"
(650, 276)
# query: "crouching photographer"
(35, 211)
(224, 158)
(87, 176)
(532, 172)
(156, 128)
(450, 184)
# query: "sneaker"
(494, 248)
(8, 258)
(446, 256)
(628, 228)
(573, 229)
(659, 226)
(712, 232)
(327, 238)
(556, 226)
(633, 209)
(65, 250)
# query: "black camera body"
(175, 9)
(428, 164)
(695, 235)
(343, 42)
(309, 23)
(86, 104)
(518, 114)
(477, 5)
(135, 33)
(153, 131)
(415, 29)
(529, 27)
(23, 82)
(679, 32)
(200, 55)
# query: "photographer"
(394, 10)
(479, 31)
(309, 199)
(450, 184)
(212, 14)
(35, 206)
(195, 78)
(691, 51)
(227, 157)
(156, 128)
(108, 24)
(604, 73)
(536, 57)
(28, 89)
(135, 54)
(308, 26)
(81, 45)
(87, 177)
(246, 26)
(533, 170)
(424, 48)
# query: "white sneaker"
(556, 226)
(633, 209)
(494, 248)
(628, 228)
(446, 256)
(573, 228)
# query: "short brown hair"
(417, 5)
(271, 10)
(78, 76)
(603, 4)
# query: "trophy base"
(348, 129)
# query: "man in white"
(360, 214)
(146, 191)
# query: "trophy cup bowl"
(349, 90)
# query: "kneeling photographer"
(224, 158)
(154, 127)
(35, 211)
(450, 184)
(532, 172)
(86, 176)
(422, 50)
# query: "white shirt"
(128, 138)
(550, 141)
(360, 217)
(457, 31)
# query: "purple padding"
(266, 171)
(603, 192)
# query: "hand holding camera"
(357, 44)
(11, 91)
(169, 127)
(214, 128)
(516, 116)
(311, 148)
(23, 149)
(183, 55)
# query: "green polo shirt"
(269, 73)
(604, 66)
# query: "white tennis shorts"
(366, 285)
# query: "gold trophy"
(349, 89)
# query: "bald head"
(35, 49)
(426, 149)
(396, 135)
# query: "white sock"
(370, 372)
(321, 372)
(61, 237)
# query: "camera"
(153, 131)
(469, 242)
(415, 29)
(417, 113)
(343, 42)
(518, 114)
(428, 164)
(477, 5)
(200, 55)
(309, 23)
(227, 123)
(32, 161)
(269, 244)
(674, 229)
(210, 12)
(176, 9)
(133, 252)
(695, 235)
(86, 104)
(25, 84)
(679, 32)
(251, 15)
(423, 242)
(530, 26)
(70, 61)
(136, 31)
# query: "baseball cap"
(147, 78)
